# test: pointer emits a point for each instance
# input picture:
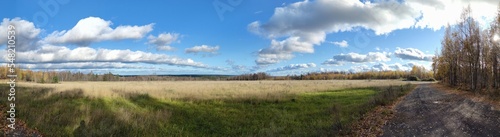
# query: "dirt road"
(429, 112)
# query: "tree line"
(417, 72)
(470, 55)
(56, 76)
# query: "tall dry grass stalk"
(210, 89)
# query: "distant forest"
(417, 73)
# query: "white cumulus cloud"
(95, 29)
(380, 67)
(80, 65)
(305, 24)
(298, 27)
(412, 54)
(52, 51)
(61, 54)
(361, 58)
(438, 13)
(283, 50)
(386, 67)
(26, 33)
(163, 41)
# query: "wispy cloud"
(342, 43)
(293, 67)
(211, 50)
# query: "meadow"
(201, 108)
(203, 90)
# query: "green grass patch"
(70, 113)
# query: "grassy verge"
(372, 122)
(71, 113)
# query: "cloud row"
(81, 65)
(412, 54)
(358, 58)
(293, 67)
(61, 54)
(385, 67)
(302, 25)
(406, 54)
(308, 22)
(51, 52)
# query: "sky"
(280, 37)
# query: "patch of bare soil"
(430, 111)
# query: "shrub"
(55, 79)
(413, 78)
(429, 79)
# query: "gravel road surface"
(427, 111)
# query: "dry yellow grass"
(211, 89)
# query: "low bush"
(413, 78)
(429, 79)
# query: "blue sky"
(231, 36)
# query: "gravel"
(430, 112)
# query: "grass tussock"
(74, 113)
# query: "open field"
(208, 108)
(211, 89)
